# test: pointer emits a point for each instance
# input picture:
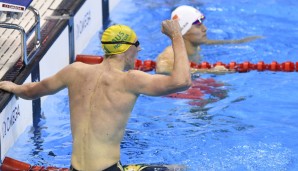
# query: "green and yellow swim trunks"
(141, 167)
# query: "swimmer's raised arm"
(178, 80)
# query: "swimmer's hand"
(171, 28)
(7, 86)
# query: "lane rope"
(149, 65)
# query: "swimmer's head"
(187, 16)
(117, 39)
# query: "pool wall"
(75, 33)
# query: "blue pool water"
(251, 124)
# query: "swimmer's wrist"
(176, 35)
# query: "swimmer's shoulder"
(166, 53)
(78, 64)
(81, 65)
(80, 68)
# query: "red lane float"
(10, 164)
(149, 65)
(89, 59)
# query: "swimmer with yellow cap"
(117, 39)
(102, 96)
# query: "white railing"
(35, 28)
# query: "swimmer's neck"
(192, 51)
(114, 63)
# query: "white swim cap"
(186, 15)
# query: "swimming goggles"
(199, 21)
(137, 43)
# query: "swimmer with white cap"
(102, 96)
(194, 35)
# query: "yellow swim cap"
(117, 33)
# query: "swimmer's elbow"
(187, 83)
(184, 84)
(173, 86)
